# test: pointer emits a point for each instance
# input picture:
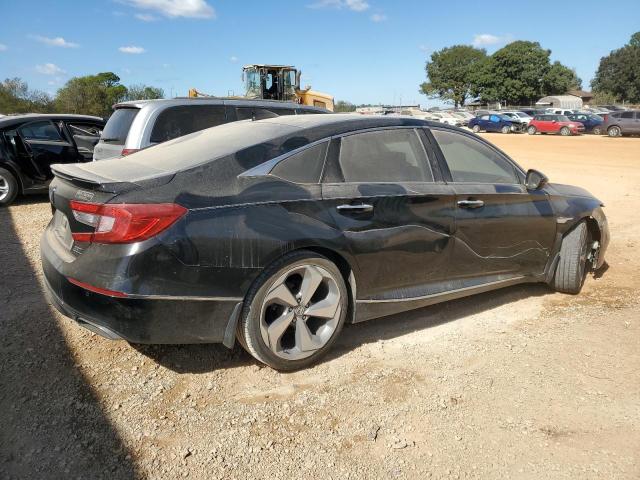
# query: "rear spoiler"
(85, 179)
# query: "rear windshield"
(117, 128)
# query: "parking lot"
(521, 382)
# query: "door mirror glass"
(535, 180)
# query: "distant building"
(570, 102)
(586, 97)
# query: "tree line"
(88, 95)
(521, 72)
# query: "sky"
(362, 51)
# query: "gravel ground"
(517, 383)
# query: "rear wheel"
(8, 187)
(531, 130)
(614, 131)
(476, 129)
(572, 266)
(294, 312)
(565, 131)
(505, 129)
(597, 131)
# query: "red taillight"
(128, 151)
(124, 223)
(605, 117)
(101, 291)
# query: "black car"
(30, 144)
(279, 231)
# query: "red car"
(554, 124)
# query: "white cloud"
(49, 69)
(424, 48)
(378, 17)
(146, 17)
(3, 47)
(132, 49)
(486, 39)
(233, 59)
(355, 5)
(175, 8)
(55, 41)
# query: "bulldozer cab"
(271, 82)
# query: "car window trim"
(448, 178)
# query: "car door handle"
(357, 208)
(470, 203)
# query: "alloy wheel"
(614, 132)
(4, 188)
(300, 312)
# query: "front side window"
(471, 161)
(303, 167)
(46, 131)
(176, 122)
(384, 156)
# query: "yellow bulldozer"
(277, 82)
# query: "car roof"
(201, 147)
(180, 101)
(12, 120)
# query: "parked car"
(446, 118)
(464, 121)
(592, 123)
(30, 143)
(140, 124)
(560, 111)
(626, 122)
(518, 116)
(494, 123)
(550, 123)
(613, 108)
(532, 112)
(282, 230)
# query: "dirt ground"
(518, 383)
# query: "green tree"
(343, 106)
(619, 72)
(559, 80)
(16, 97)
(143, 92)
(451, 73)
(91, 94)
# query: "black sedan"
(30, 144)
(279, 231)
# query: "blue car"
(592, 123)
(494, 123)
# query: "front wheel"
(476, 129)
(505, 129)
(531, 130)
(614, 131)
(8, 187)
(294, 312)
(572, 266)
(565, 132)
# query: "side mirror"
(535, 180)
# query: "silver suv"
(141, 124)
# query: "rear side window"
(303, 167)
(176, 122)
(384, 156)
(471, 161)
(46, 131)
(627, 115)
(118, 125)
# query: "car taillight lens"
(605, 118)
(128, 151)
(124, 223)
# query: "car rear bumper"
(141, 320)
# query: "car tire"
(614, 131)
(572, 265)
(8, 187)
(596, 131)
(273, 327)
(505, 129)
(565, 131)
(531, 130)
(476, 129)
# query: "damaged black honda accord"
(277, 232)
